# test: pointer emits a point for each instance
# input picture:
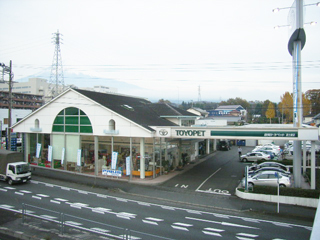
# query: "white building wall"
(15, 115)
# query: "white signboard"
(114, 173)
(62, 155)
(114, 159)
(128, 166)
(79, 157)
(49, 153)
(38, 150)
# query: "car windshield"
(22, 168)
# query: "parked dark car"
(224, 146)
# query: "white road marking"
(194, 212)
(37, 197)
(144, 204)
(121, 200)
(183, 224)
(42, 195)
(244, 238)
(282, 224)
(100, 230)
(180, 228)
(221, 223)
(214, 229)
(221, 215)
(101, 195)
(82, 192)
(49, 185)
(248, 235)
(6, 206)
(149, 222)
(250, 220)
(19, 193)
(53, 201)
(167, 207)
(10, 188)
(207, 179)
(65, 188)
(61, 200)
(73, 223)
(155, 219)
(123, 216)
(3, 190)
(25, 191)
(212, 233)
(48, 217)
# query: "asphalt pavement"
(150, 190)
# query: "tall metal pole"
(297, 94)
(9, 106)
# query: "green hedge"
(293, 192)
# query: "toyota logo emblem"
(163, 132)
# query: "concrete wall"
(306, 202)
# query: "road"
(220, 174)
(100, 212)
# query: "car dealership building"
(113, 134)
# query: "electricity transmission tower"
(199, 94)
(56, 84)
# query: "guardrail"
(63, 221)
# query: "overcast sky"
(171, 48)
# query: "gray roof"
(138, 110)
(229, 107)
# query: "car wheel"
(10, 181)
(250, 185)
(244, 160)
(282, 185)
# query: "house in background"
(198, 111)
(228, 110)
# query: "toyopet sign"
(182, 133)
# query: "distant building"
(36, 86)
(101, 89)
(228, 110)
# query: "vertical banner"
(114, 159)
(128, 166)
(79, 157)
(62, 155)
(38, 150)
(49, 153)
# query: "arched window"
(36, 124)
(112, 125)
(72, 120)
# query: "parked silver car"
(254, 156)
(268, 178)
(268, 164)
(263, 169)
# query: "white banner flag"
(114, 159)
(49, 153)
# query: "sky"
(180, 50)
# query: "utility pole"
(10, 106)
(9, 71)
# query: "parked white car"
(276, 150)
(268, 178)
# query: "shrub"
(293, 192)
